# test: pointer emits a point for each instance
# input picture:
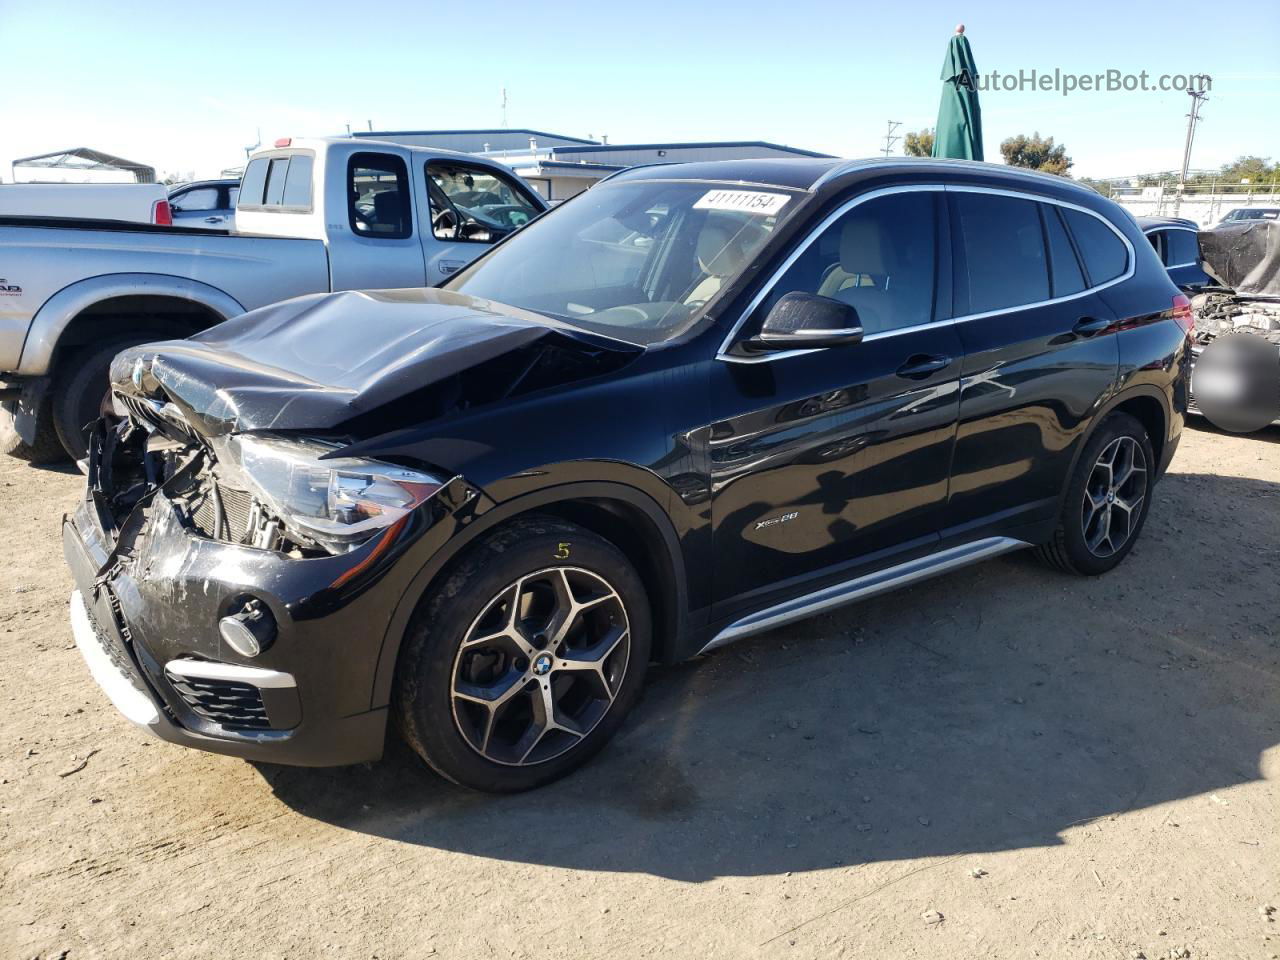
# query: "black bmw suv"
(694, 403)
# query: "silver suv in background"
(205, 204)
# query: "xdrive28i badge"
(8, 289)
(774, 521)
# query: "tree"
(918, 143)
(1102, 186)
(1253, 169)
(1036, 153)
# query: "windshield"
(1254, 214)
(637, 261)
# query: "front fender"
(64, 306)
(435, 557)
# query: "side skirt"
(862, 587)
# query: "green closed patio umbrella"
(959, 132)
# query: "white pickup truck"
(130, 202)
(312, 216)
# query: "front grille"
(236, 507)
(224, 702)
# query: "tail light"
(1182, 314)
(161, 215)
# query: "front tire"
(81, 391)
(46, 449)
(1107, 500)
(525, 659)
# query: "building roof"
(696, 145)
(483, 131)
(85, 158)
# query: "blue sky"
(185, 87)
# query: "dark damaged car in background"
(693, 404)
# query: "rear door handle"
(1088, 326)
(922, 365)
(213, 219)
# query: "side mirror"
(806, 321)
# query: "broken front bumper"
(147, 629)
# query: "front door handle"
(1088, 326)
(922, 365)
(212, 219)
(451, 266)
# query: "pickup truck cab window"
(254, 183)
(378, 196)
(473, 204)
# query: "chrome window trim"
(727, 343)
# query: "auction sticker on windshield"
(743, 201)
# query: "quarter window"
(1001, 262)
(1063, 265)
(1104, 254)
(378, 196)
(880, 258)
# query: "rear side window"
(275, 181)
(297, 182)
(1001, 260)
(378, 196)
(1180, 247)
(279, 184)
(1064, 268)
(254, 182)
(1104, 254)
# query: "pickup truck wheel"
(81, 391)
(47, 447)
(523, 661)
(1107, 500)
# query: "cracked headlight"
(335, 504)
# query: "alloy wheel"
(1113, 496)
(541, 665)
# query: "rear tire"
(1107, 500)
(538, 612)
(80, 390)
(46, 449)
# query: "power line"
(890, 138)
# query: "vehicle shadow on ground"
(990, 710)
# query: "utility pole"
(890, 138)
(504, 108)
(1197, 98)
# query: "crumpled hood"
(318, 361)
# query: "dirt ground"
(1005, 763)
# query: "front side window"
(636, 260)
(378, 196)
(199, 198)
(880, 258)
(473, 203)
(1001, 260)
(1104, 254)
